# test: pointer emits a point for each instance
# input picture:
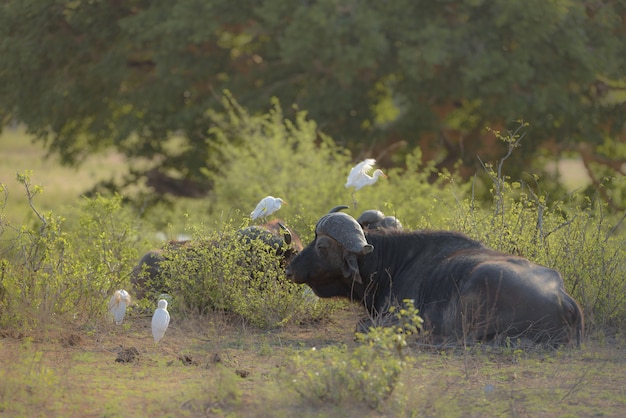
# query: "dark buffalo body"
(463, 290)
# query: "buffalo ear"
(350, 268)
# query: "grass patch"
(62, 185)
(229, 371)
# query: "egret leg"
(354, 200)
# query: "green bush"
(575, 240)
(271, 155)
(591, 259)
(221, 271)
(261, 155)
(366, 374)
(569, 233)
(49, 271)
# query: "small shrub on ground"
(222, 271)
(366, 374)
(48, 271)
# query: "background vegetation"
(146, 78)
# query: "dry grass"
(572, 173)
(214, 367)
(62, 185)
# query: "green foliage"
(591, 257)
(567, 234)
(60, 268)
(54, 272)
(366, 374)
(221, 271)
(272, 155)
(134, 74)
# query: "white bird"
(359, 177)
(160, 321)
(117, 305)
(266, 207)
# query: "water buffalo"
(146, 274)
(464, 291)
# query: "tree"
(141, 74)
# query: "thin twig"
(612, 230)
(31, 196)
(576, 386)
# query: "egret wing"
(360, 170)
(261, 208)
(160, 322)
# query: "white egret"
(117, 305)
(266, 207)
(160, 321)
(359, 177)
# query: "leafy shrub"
(220, 271)
(591, 259)
(67, 267)
(261, 155)
(50, 271)
(366, 374)
(271, 155)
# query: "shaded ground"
(217, 367)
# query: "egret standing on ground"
(160, 321)
(358, 177)
(117, 305)
(266, 207)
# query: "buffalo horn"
(344, 229)
(338, 208)
(287, 234)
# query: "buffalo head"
(329, 264)
(373, 219)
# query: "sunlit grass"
(62, 185)
(572, 173)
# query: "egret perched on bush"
(117, 305)
(266, 207)
(358, 177)
(160, 320)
